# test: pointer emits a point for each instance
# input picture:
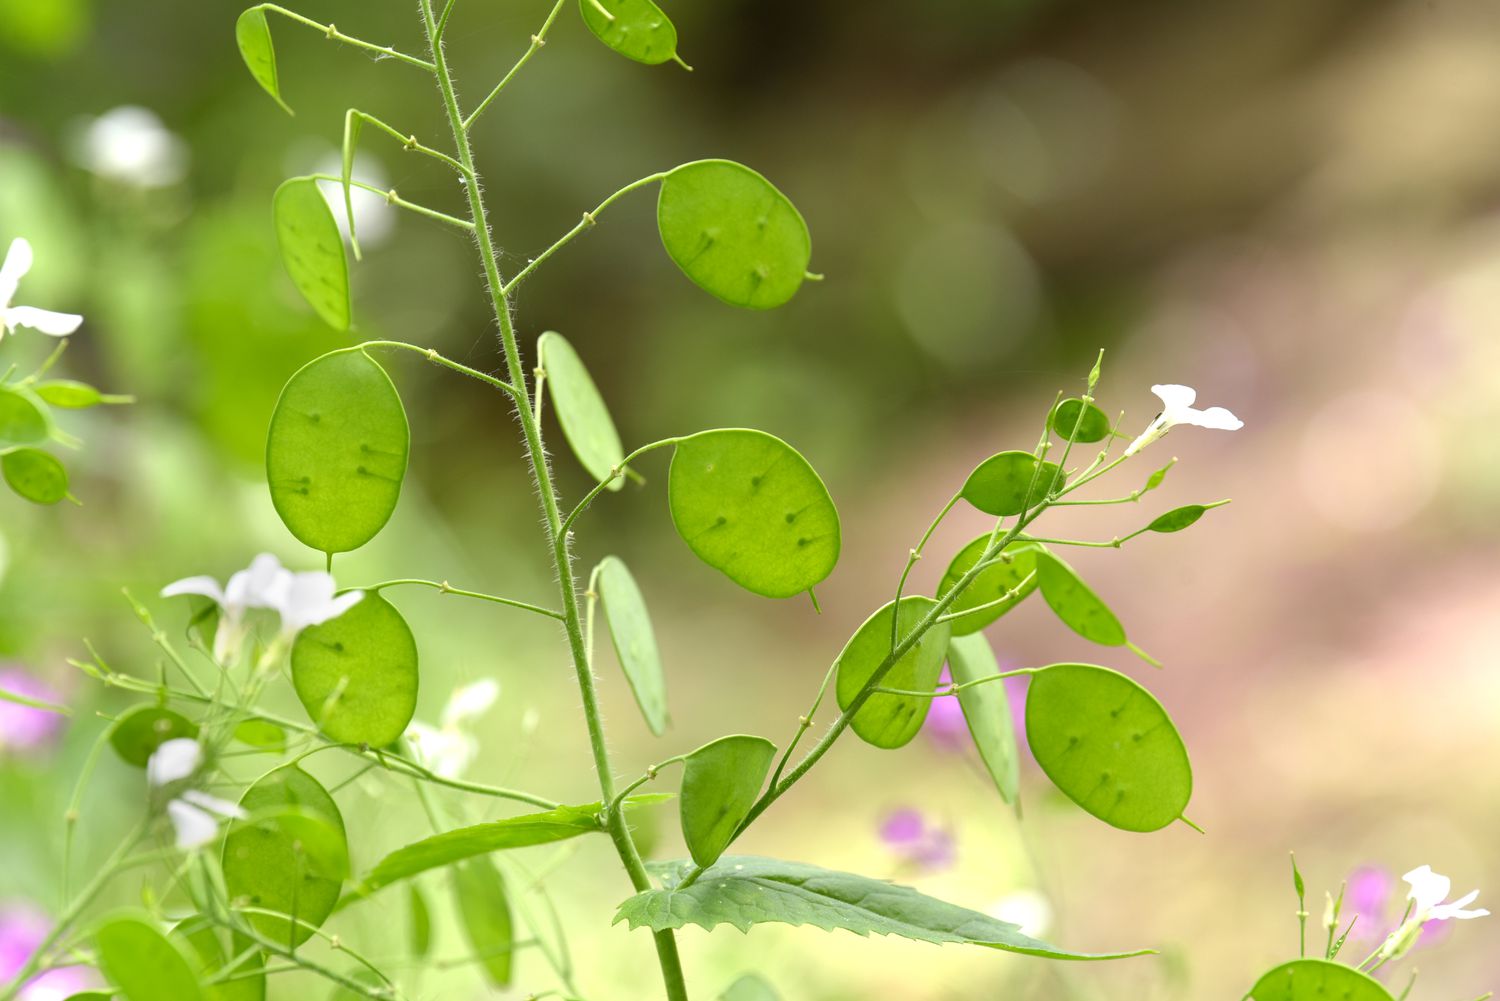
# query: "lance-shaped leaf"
(484, 913)
(746, 890)
(312, 248)
(636, 29)
(354, 122)
(142, 964)
(1108, 745)
(986, 591)
(720, 782)
(1072, 418)
(750, 506)
(137, 734)
(420, 923)
(357, 674)
(1075, 603)
(1001, 484)
(70, 394)
(290, 856)
(1317, 980)
(336, 451)
(1179, 518)
(987, 710)
(634, 639)
(892, 720)
(733, 233)
(253, 35)
(580, 409)
(22, 421)
(35, 475)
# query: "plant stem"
(445, 588)
(586, 222)
(335, 35)
(666, 945)
(537, 41)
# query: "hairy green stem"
(444, 587)
(333, 34)
(537, 41)
(586, 222)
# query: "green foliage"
(70, 394)
(253, 36)
(745, 890)
(420, 926)
(1003, 484)
(891, 721)
(750, 506)
(581, 411)
(137, 734)
(290, 856)
(636, 29)
(357, 674)
(720, 782)
(260, 734)
(35, 475)
(484, 914)
(987, 710)
(1080, 421)
(21, 420)
(1017, 574)
(1075, 603)
(212, 959)
(733, 233)
(142, 964)
(1177, 519)
(312, 248)
(1317, 980)
(750, 987)
(336, 451)
(634, 639)
(1108, 745)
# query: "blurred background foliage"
(1291, 205)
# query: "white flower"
(1429, 891)
(131, 146)
(191, 811)
(450, 749)
(1177, 408)
(17, 262)
(309, 599)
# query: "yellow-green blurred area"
(1290, 205)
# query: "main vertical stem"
(666, 943)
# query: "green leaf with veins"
(1002, 484)
(636, 29)
(634, 640)
(1075, 603)
(720, 783)
(1177, 519)
(1091, 423)
(142, 964)
(253, 35)
(312, 249)
(22, 421)
(34, 475)
(1317, 980)
(581, 411)
(357, 675)
(990, 585)
(891, 721)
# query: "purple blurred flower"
(945, 725)
(22, 727)
(1369, 892)
(22, 930)
(916, 842)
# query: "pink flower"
(945, 725)
(23, 928)
(917, 843)
(23, 727)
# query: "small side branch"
(391, 198)
(537, 41)
(587, 222)
(437, 359)
(443, 587)
(333, 34)
(614, 474)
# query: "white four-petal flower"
(191, 811)
(450, 749)
(17, 263)
(1177, 408)
(1429, 902)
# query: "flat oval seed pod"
(1177, 519)
(142, 964)
(1075, 603)
(1091, 422)
(636, 29)
(136, 735)
(336, 451)
(987, 710)
(357, 674)
(992, 583)
(35, 475)
(733, 233)
(286, 857)
(1317, 980)
(999, 484)
(750, 506)
(312, 248)
(21, 420)
(253, 34)
(484, 912)
(1108, 745)
(580, 409)
(634, 639)
(891, 721)
(70, 394)
(720, 783)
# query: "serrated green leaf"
(357, 675)
(137, 734)
(990, 585)
(484, 913)
(1317, 980)
(336, 451)
(890, 721)
(35, 475)
(750, 506)
(1177, 519)
(420, 927)
(750, 987)
(22, 421)
(999, 485)
(720, 783)
(987, 710)
(636, 29)
(581, 411)
(733, 233)
(253, 35)
(279, 859)
(1108, 745)
(312, 248)
(746, 890)
(262, 735)
(634, 640)
(142, 964)
(1092, 424)
(1075, 603)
